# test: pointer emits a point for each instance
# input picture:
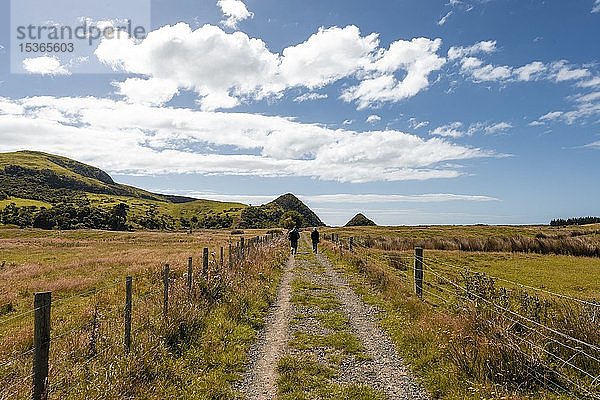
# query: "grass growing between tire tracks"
(313, 367)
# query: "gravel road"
(378, 365)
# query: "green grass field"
(23, 203)
(569, 275)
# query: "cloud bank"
(176, 140)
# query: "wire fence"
(95, 330)
(560, 351)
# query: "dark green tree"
(291, 218)
(118, 217)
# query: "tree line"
(66, 216)
(575, 221)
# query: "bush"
(237, 232)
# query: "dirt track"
(314, 307)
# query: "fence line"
(42, 371)
(430, 269)
(582, 301)
(506, 313)
(564, 335)
(497, 307)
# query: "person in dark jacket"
(314, 236)
(293, 237)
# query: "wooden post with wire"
(221, 257)
(190, 276)
(242, 247)
(230, 256)
(41, 342)
(205, 262)
(128, 304)
(350, 243)
(419, 272)
(166, 273)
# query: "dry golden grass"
(86, 272)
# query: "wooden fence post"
(242, 247)
(221, 258)
(205, 262)
(41, 341)
(190, 276)
(350, 243)
(419, 271)
(230, 256)
(128, 293)
(166, 273)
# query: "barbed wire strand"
(565, 362)
(581, 301)
(563, 376)
(533, 330)
(564, 335)
(60, 301)
(16, 357)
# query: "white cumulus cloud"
(415, 124)
(596, 7)
(565, 72)
(227, 68)
(153, 91)
(457, 129)
(45, 65)
(530, 71)
(417, 58)
(496, 128)
(486, 46)
(235, 11)
(444, 19)
(326, 56)
(310, 96)
(371, 119)
(453, 130)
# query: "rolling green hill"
(49, 191)
(32, 180)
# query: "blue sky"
(411, 112)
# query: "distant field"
(570, 275)
(68, 262)
(419, 232)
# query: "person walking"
(314, 236)
(293, 237)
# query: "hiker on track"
(314, 236)
(293, 237)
